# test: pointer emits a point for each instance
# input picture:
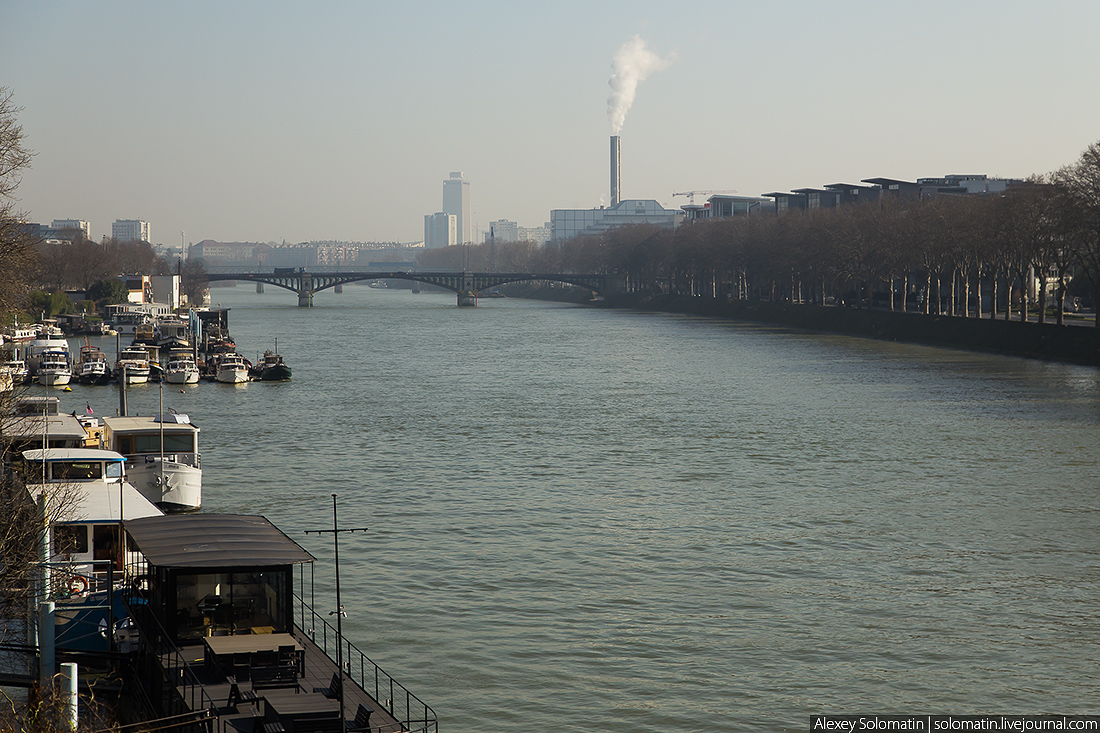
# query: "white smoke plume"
(633, 62)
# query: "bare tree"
(1081, 182)
(17, 246)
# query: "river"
(603, 521)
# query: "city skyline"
(269, 122)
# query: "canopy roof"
(214, 541)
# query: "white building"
(569, 223)
(130, 230)
(166, 289)
(456, 201)
(440, 230)
(538, 235)
(79, 224)
(503, 230)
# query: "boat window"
(173, 443)
(114, 469)
(212, 603)
(70, 539)
(105, 542)
(76, 470)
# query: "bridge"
(465, 284)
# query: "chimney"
(615, 182)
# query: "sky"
(272, 121)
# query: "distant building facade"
(570, 223)
(440, 230)
(538, 235)
(130, 230)
(456, 201)
(503, 230)
(60, 225)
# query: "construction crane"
(691, 194)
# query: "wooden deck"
(318, 673)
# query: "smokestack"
(615, 180)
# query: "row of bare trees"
(958, 255)
(79, 264)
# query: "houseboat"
(162, 458)
(225, 634)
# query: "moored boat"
(181, 369)
(135, 361)
(16, 370)
(48, 338)
(54, 369)
(87, 487)
(271, 369)
(93, 367)
(231, 368)
(162, 458)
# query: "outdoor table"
(219, 650)
(294, 710)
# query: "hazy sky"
(301, 121)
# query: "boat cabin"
(216, 574)
(36, 423)
(87, 498)
(152, 435)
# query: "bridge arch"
(307, 283)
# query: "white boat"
(181, 369)
(135, 359)
(54, 369)
(86, 487)
(162, 458)
(231, 369)
(93, 367)
(20, 334)
(49, 338)
(16, 369)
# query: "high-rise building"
(69, 224)
(456, 201)
(130, 230)
(440, 230)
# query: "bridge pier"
(305, 291)
(259, 287)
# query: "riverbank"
(1078, 344)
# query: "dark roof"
(213, 541)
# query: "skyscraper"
(456, 201)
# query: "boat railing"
(156, 650)
(186, 459)
(415, 715)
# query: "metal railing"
(180, 686)
(412, 712)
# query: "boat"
(48, 338)
(93, 368)
(271, 369)
(135, 360)
(91, 483)
(54, 369)
(20, 334)
(16, 369)
(146, 333)
(87, 496)
(173, 333)
(181, 369)
(231, 368)
(162, 458)
(35, 421)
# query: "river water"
(587, 520)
